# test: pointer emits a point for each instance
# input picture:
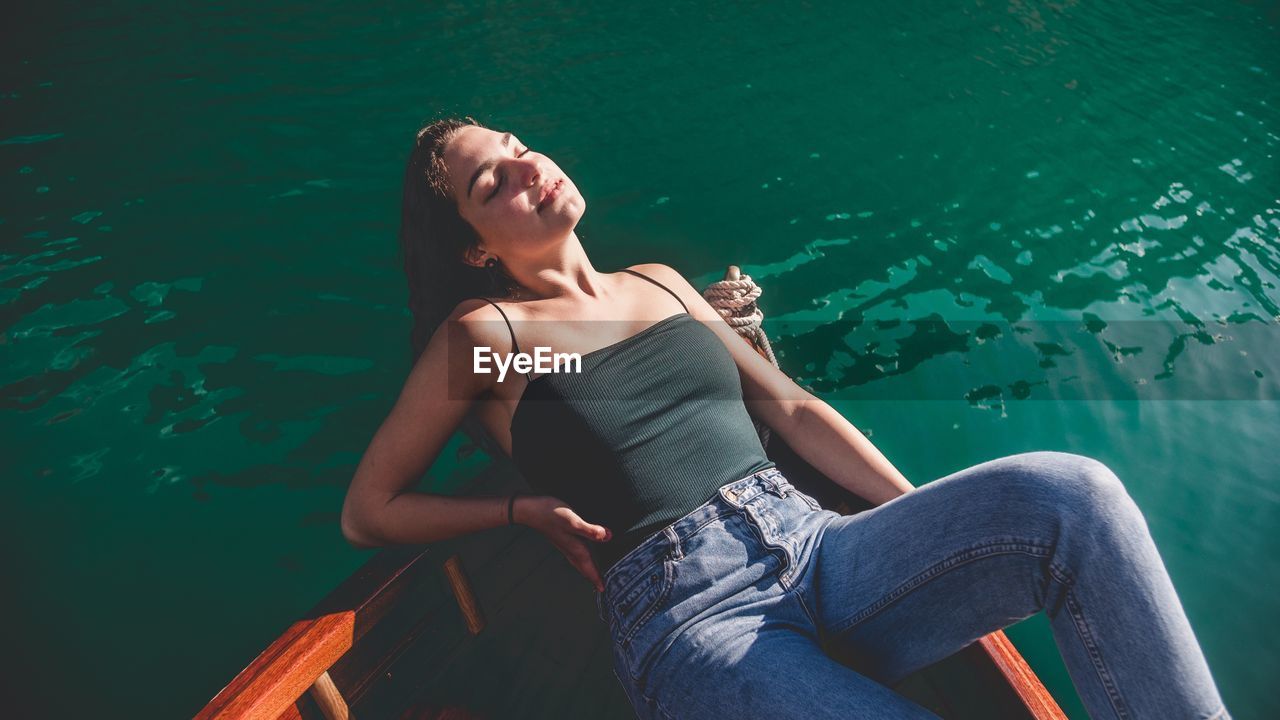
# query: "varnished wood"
(373, 590)
(282, 672)
(326, 695)
(467, 602)
(424, 622)
(1001, 652)
(360, 627)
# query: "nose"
(527, 171)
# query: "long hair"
(433, 240)
(434, 237)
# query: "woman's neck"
(567, 274)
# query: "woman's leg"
(755, 666)
(705, 626)
(905, 584)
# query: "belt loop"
(675, 552)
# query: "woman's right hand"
(552, 517)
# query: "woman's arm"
(819, 434)
(379, 508)
(830, 443)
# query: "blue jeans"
(726, 611)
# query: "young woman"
(719, 581)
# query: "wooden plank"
(402, 680)
(326, 695)
(970, 689)
(382, 586)
(462, 592)
(549, 614)
(544, 648)
(432, 712)
(426, 608)
(415, 605)
(282, 672)
(1021, 678)
(377, 586)
(537, 649)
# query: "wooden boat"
(498, 624)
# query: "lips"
(552, 192)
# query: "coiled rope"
(735, 299)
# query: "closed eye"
(498, 186)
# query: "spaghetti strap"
(515, 346)
(655, 282)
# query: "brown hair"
(434, 238)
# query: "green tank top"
(649, 430)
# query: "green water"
(202, 319)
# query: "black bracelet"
(511, 509)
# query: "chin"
(569, 217)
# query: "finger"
(589, 571)
(581, 559)
(599, 533)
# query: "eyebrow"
(487, 164)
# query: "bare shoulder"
(672, 278)
(473, 323)
(480, 323)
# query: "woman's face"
(516, 198)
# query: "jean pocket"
(639, 601)
(636, 635)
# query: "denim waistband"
(657, 546)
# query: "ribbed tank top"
(649, 430)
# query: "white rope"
(735, 300)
